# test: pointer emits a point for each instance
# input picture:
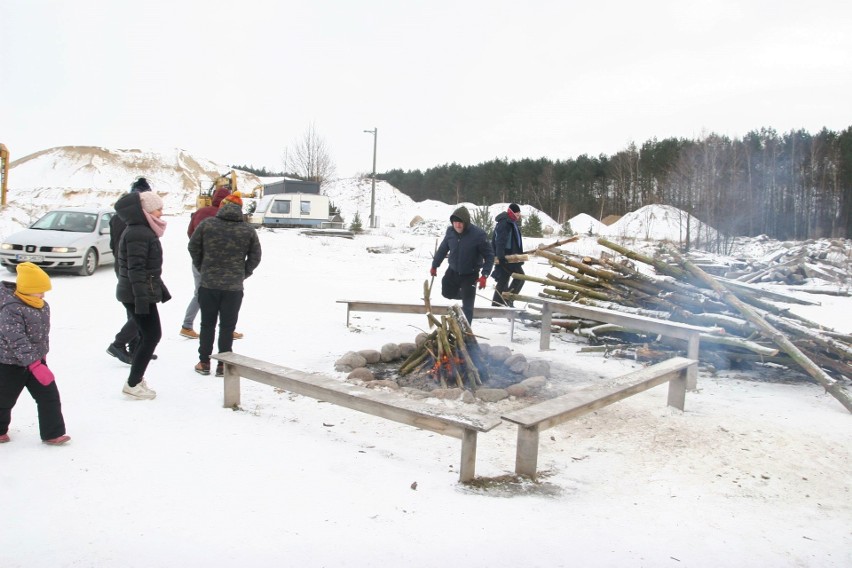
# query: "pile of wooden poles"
(450, 353)
(826, 261)
(751, 329)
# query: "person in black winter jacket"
(140, 285)
(225, 250)
(127, 339)
(470, 260)
(507, 241)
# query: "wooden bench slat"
(689, 333)
(406, 308)
(382, 404)
(385, 405)
(563, 408)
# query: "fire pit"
(506, 373)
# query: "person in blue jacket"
(507, 241)
(470, 260)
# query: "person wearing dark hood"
(225, 250)
(507, 241)
(127, 338)
(203, 213)
(469, 263)
(140, 284)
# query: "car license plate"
(30, 258)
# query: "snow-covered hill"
(87, 175)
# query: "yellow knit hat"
(31, 279)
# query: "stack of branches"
(752, 328)
(450, 352)
(827, 261)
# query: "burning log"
(450, 353)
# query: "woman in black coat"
(140, 286)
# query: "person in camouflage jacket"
(225, 250)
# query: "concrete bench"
(402, 308)
(449, 422)
(534, 419)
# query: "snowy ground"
(752, 473)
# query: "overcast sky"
(460, 81)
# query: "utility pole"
(375, 133)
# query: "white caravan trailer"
(291, 210)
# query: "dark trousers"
(502, 274)
(222, 306)
(127, 336)
(455, 286)
(13, 379)
(150, 333)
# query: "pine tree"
(482, 219)
(566, 230)
(356, 226)
(532, 226)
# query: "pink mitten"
(41, 372)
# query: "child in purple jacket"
(24, 343)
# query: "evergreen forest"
(795, 186)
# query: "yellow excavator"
(229, 180)
(205, 196)
(4, 173)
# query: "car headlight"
(64, 249)
(6, 246)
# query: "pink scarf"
(157, 225)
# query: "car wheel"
(90, 263)
(12, 269)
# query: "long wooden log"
(831, 345)
(738, 342)
(553, 245)
(831, 386)
(660, 266)
(778, 297)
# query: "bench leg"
(526, 456)
(232, 387)
(692, 348)
(512, 328)
(468, 456)
(677, 389)
(546, 319)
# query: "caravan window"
(281, 207)
(306, 208)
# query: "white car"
(69, 239)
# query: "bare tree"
(309, 157)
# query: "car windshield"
(71, 221)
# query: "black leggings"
(150, 333)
